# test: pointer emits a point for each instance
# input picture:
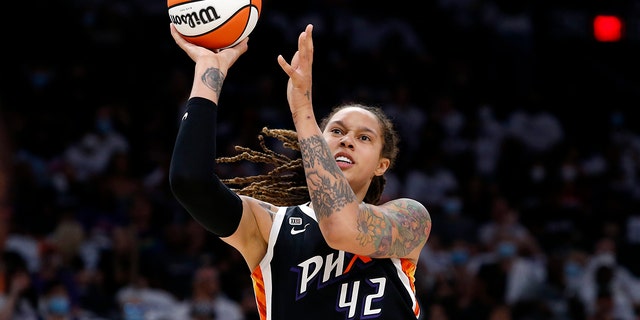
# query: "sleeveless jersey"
(301, 277)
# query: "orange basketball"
(214, 24)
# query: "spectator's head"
(206, 282)
(55, 303)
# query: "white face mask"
(605, 258)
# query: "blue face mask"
(40, 79)
(452, 206)
(104, 126)
(58, 305)
(572, 270)
(617, 119)
(133, 311)
(459, 257)
(506, 249)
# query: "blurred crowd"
(533, 191)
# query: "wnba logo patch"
(295, 221)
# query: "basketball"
(214, 24)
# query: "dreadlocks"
(286, 184)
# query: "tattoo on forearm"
(213, 79)
(411, 224)
(329, 191)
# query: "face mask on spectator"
(506, 249)
(58, 305)
(459, 257)
(452, 206)
(572, 269)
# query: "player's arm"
(192, 170)
(399, 228)
(396, 229)
(329, 190)
(199, 190)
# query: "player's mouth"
(344, 161)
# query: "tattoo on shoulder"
(213, 79)
(271, 209)
(396, 234)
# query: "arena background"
(496, 100)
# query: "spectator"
(17, 296)
(140, 300)
(207, 301)
(608, 289)
(505, 222)
(509, 278)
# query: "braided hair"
(286, 184)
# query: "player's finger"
(286, 67)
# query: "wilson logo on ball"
(214, 24)
(193, 19)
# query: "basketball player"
(340, 254)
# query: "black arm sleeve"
(192, 177)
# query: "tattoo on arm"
(329, 190)
(213, 79)
(270, 209)
(410, 221)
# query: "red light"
(607, 28)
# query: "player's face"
(355, 138)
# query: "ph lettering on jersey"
(333, 266)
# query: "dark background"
(66, 64)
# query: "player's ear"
(383, 165)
